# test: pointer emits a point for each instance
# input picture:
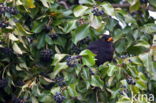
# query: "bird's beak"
(110, 39)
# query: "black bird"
(103, 48)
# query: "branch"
(126, 5)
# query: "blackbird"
(103, 48)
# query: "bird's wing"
(94, 49)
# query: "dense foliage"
(43, 55)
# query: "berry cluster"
(97, 12)
(3, 83)
(6, 51)
(59, 98)
(53, 36)
(60, 81)
(48, 86)
(130, 81)
(75, 49)
(3, 24)
(10, 10)
(17, 100)
(144, 1)
(46, 28)
(72, 60)
(45, 55)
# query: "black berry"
(46, 29)
(130, 81)
(75, 49)
(59, 98)
(3, 24)
(46, 55)
(72, 61)
(6, 51)
(97, 12)
(144, 1)
(53, 36)
(60, 81)
(48, 86)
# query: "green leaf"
(58, 58)
(80, 33)
(95, 22)
(88, 57)
(37, 27)
(143, 44)
(91, 2)
(97, 82)
(70, 26)
(17, 49)
(48, 40)
(58, 68)
(153, 3)
(85, 73)
(28, 3)
(134, 5)
(45, 2)
(109, 10)
(80, 10)
(72, 90)
(13, 37)
(41, 42)
(148, 28)
(54, 90)
(111, 70)
(20, 30)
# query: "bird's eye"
(110, 39)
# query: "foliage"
(44, 29)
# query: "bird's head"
(107, 38)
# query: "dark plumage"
(103, 48)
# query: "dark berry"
(48, 86)
(144, 1)
(75, 49)
(46, 55)
(97, 12)
(72, 61)
(4, 24)
(47, 29)
(130, 81)
(6, 51)
(59, 98)
(53, 36)
(2, 10)
(3, 83)
(60, 81)
(30, 39)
